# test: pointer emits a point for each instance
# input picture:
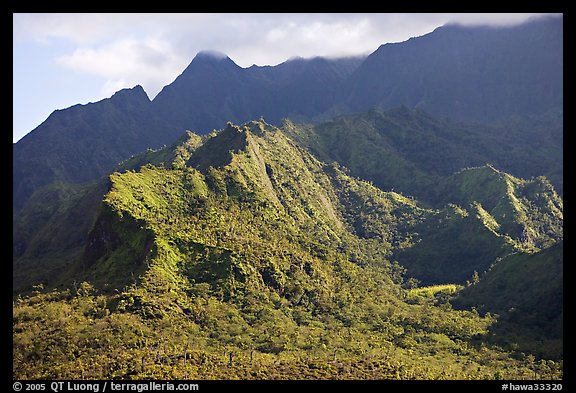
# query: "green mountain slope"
(242, 255)
(528, 212)
(409, 150)
(50, 233)
(404, 150)
(82, 143)
(51, 230)
(249, 187)
(526, 290)
(489, 215)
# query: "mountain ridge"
(454, 71)
(312, 90)
(268, 251)
(514, 213)
(45, 156)
(531, 295)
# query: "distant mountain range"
(480, 74)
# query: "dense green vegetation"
(82, 334)
(50, 234)
(492, 214)
(409, 150)
(529, 301)
(242, 255)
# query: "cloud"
(111, 86)
(322, 37)
(108, 52)
(77, 28)
(92, 28)
(128, 62)
(492, 19)
(152, 49)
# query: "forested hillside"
(241, 255)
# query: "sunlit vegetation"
(78, 333)
(243, 256)
(433, 292)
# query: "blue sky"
(60, 60)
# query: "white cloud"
(153, 49)
(491, 19)
(151, 62)
(319, 38)
(91, 28)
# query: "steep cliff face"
(478, 74)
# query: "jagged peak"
(258, 127)
(211, 60)
(136, 91)
(217, 150)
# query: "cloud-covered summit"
(87, 57)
